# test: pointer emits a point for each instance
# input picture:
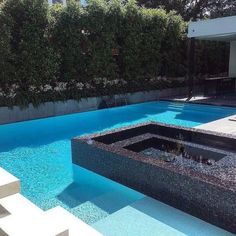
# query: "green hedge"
(69, 52)
(29, 61)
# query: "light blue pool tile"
(153, 218)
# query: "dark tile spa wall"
(212, 139)
(195, 194)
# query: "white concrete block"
(76, 226)
(26, 219)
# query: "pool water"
(39, 153)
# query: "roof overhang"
(219, 29)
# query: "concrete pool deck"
(226, 125)
(216, 100)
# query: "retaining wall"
(48, 109)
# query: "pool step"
(9, 184)
(67, 220)
(177, 105)
(151, 217)
(27, 219)
(20, 217)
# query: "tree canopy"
(194, 9)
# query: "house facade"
(220, 29)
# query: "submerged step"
(27, 219)
(75, 225)
(9, 184)
(151, 217)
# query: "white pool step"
(26, 219)
(9, 184)
(76, 226)
(20, 217)
(150, 217)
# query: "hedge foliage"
(69, 52)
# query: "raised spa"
(190, 169)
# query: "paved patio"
(226, 100)
(226, 125)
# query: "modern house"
(219, 29)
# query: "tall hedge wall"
(29, 60)
(63, 52)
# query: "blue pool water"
(38, 152)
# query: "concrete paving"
(220, 100)
(226, 125)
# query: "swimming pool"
(38, 152)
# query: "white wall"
(51, 1)
(217, 28)
(232, 59)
